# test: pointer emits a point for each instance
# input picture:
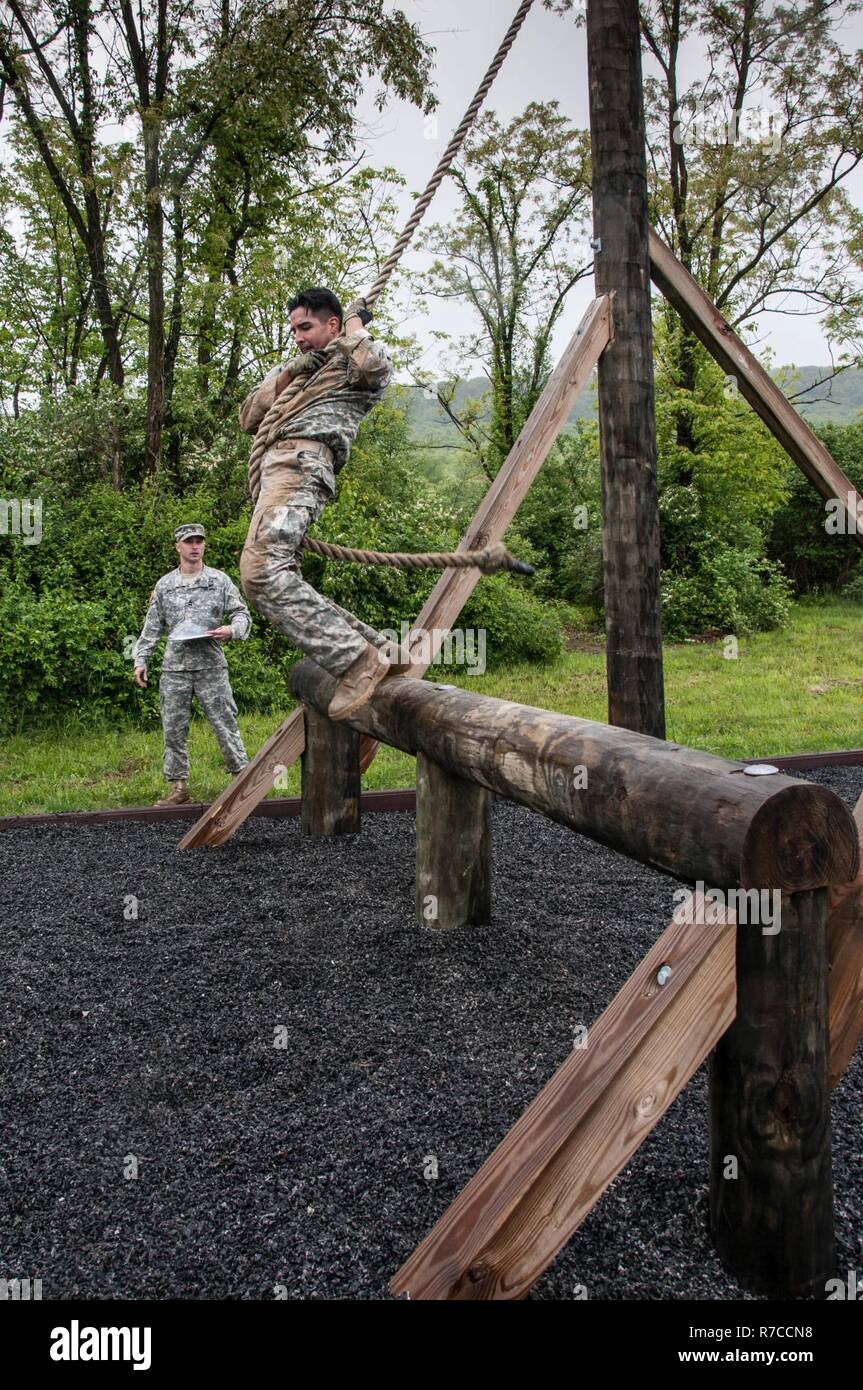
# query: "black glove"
(358, 309)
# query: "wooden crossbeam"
(794, 434)
(446, 601)
(657, 802)
(845, 986)
(527, 1200)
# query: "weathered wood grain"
(630, 502)
(845, 986)
(453, 830)
(331, 778)
(677, 809)
(249, 787)
(771, 1187)
(534, 1191)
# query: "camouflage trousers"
(297, 482)
(215, 697)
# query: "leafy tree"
(818, 559)
(234, 99)
(514, 252)
(748, 163)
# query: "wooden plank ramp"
(535, 1190)
(446, 601)
(227, 813)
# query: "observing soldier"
(190, 603)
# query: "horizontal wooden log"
(677, 809)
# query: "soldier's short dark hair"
(320, 302)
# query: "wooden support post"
(454, 588)
(845, 941)
(453, 886)
(630, 505)
(331, 778)
(771, 1189)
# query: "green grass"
(797, 690)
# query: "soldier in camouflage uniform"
(347, 373)
(193, 592)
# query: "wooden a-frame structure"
(778, 1011)
(726, 991)
(501, 502)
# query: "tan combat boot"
(178, 795)
(362, 678)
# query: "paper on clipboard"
(187, 631)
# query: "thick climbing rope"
(449, 153)
(489, 559)
(262, 442)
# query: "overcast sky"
(548, 61)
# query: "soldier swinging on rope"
(323, 394)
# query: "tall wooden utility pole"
(626, 406)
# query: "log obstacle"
(754, 996)
(499, 506)
(684, 812)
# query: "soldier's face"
(311, 333)
(191, 550)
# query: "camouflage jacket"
(330, 404)
(212, 597)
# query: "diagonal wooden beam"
(248, 789)
(794, 434)
(527, 1200)
(443, 606)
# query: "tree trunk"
(151, 120)
(172, 346)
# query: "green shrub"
(74, 604)
(518, 626)
(853, 590)
(731, 590)
(816, 560)
(59, 655)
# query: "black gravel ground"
(311, 1164)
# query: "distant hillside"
(839, 401)
(429, 421)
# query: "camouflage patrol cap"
(188, 530)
